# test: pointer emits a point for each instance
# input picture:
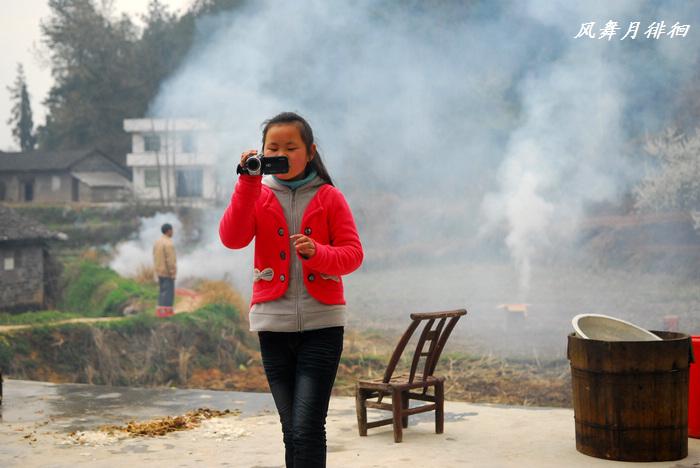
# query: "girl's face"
(285, 139)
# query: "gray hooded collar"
(277, 187)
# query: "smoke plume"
(459, 133)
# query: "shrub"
(220, 292)
(91, 289)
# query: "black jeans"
(301, 368)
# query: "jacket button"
(283, 255)
(280, 231)
(282, 278)
(311, 277)
(307, 231)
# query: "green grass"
(215, 315)
(211, 318)
(94, 290)
(35, 317)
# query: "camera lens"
(253, 164)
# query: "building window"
(3, 190)
(8, 263)
(55, 183)
(189, 183)
(150, 178)
(151, 143)
(188, 143)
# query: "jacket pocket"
(272, 308)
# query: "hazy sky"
(20, 42)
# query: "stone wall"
(21, 277)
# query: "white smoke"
(131, 255)
(569, 149)
(565, 153)
(201, 259)
(441, 121)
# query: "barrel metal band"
(631, 372)
(616, 427)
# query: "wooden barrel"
(631, 397)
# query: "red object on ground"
(694, 392)
(164, 311)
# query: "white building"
(169, 162)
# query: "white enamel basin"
(604, 328)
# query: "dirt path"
(186, 300)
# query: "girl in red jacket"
(305, 241)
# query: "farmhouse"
(28, 274)
(62, 176)
(169, 164)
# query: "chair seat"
(399, 381)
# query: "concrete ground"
(55, 425)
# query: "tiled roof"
(13, 227)
(43, 160)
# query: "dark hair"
(307, 136)
(165, 228)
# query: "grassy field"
(93, 290)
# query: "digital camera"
(259, 164)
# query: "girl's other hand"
(305, 246)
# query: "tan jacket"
(164, 260)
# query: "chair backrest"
(436, 337)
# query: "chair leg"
(361, 409)
(439, 407)
(404, 406)
(397, 413)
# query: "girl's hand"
(305, 246)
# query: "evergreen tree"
(92, 63)
(21, 116)
(106, 70)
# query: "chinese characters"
(612, 29)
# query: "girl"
(305, 240)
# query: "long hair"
(307, 136)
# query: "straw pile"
(162, 426)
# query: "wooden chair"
(400, 387)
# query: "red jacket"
(254, 211)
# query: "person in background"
(165, 264)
